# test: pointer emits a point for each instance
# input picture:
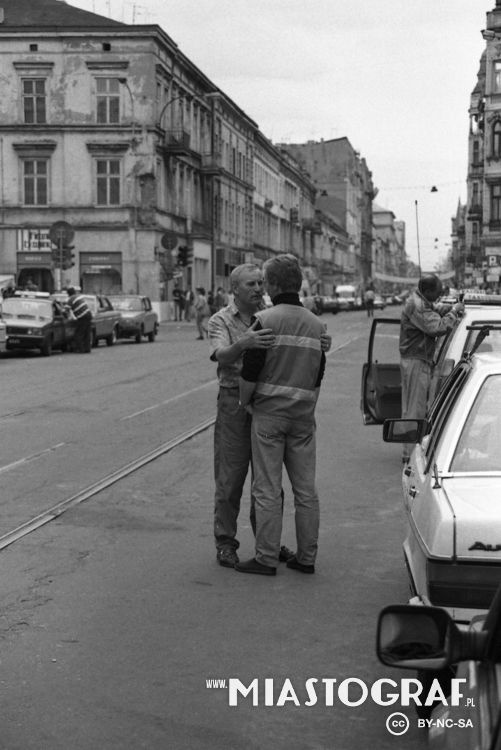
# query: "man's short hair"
(284, 272)
(430, 283)
(71, 291)
(237, 272)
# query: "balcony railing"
(211, 162)
(177, 141)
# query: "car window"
(491, 343)
(27, 309)
(479, 445)
(92, 304)
(442, 407)
(125, 304)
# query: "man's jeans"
(232, 455)
(416, 377)
(276, 442)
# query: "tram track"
(90, 491)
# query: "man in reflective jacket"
(281, 385)
(83, 321)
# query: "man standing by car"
(421, 323)
(83, 321)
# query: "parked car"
(426, 639)
(137, 317)
(35, 321)
(327, 303)
(105, 320)
(452, 490)
(3, 337)
(481, 310)
(381, 383)
(379, 303)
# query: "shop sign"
(35, 239)
(492, 277)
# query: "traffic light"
(68, 258)
(182, 256)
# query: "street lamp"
(167, 103)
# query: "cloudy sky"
(393, 76)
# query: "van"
(346, 296)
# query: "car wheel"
(138, 336)
(112, 338)
(95, 340)
(151, 335)
(46, 348)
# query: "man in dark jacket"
(422, 322)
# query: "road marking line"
(341, 346)
(26, 459)
(168, 401)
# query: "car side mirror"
(404, 430)
(415, 637)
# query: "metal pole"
(417, 236)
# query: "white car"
(452, 491)
(478, 328)
(480, 310)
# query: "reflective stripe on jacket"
(79, 306)
(287, 383)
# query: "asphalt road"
(116, 620)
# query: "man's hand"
(458, 308)
(325, 342)
(264, 338)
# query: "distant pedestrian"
(202, 313)
(82, 341)
(178, 297)
(221, 298)
(211, 302)
(189, 300)
(369, 298)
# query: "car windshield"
(91, 303)
(479, 446)
(491, 343)
(27, 309)
(126, 303)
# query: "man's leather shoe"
(253, 566)
(227, 557)
(295, 565)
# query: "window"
(34, 100)
(35, 182)
(479, 447)
(108, 100)
(108, 182)
(496, 203)
(496, 139)
(497, 77)
(476, 154)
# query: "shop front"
(35, 271)
(101, 273)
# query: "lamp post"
(167, 103)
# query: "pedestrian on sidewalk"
(202, 312)
(82, 341)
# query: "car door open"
(381, 381)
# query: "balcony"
(475, 212)
(211, 163)
(177, 141)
